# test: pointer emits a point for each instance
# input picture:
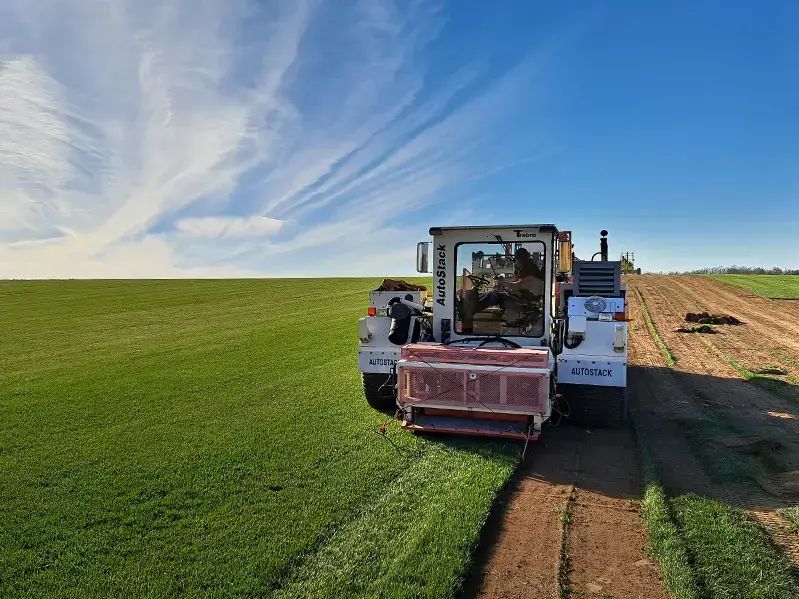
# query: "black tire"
(380, 392)
(593, 406)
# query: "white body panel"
(378, 360)
(578, 324)
(377, 354)
(582, 369)
(601, 357)
(599, 339)
(577, 306)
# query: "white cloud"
(229, 226)
(34, 143)
(186, 137)
(149, 257)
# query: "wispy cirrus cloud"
(217, 227)
(177, 138)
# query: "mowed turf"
(209, 438)
(772, 286)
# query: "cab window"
(500, 288)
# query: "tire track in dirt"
(521, 556)
(608, 543)
(642, 349)
(577, 491)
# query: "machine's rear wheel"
(379, 391)
(590, 405)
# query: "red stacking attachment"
(510, 381)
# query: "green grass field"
(732, 555)
(209, 438)
(773, 286)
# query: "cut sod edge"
(653, 331)
(471, 580)
(666, 543)
(737, 366)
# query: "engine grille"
(438, 382)
(597, 278)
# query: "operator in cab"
(519, 300)
(525, 294)
(528, 276)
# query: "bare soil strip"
(586, 485)
(706, 394)
(578, 488)
(524, 559)
(607, 539)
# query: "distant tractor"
(628, 264)
(515, 330)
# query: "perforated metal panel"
(597, 278)
(442, 376)
(439, 386)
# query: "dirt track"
(571, 519)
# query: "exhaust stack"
(603, 245)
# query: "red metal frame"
(417, 428)
(453, 364)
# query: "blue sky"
(248, 138)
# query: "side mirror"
(423, 256)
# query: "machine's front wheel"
(604, 407)
(379, 391)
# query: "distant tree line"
(740, 270)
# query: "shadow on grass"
(776, 386)
(715, 441)
(720, 437)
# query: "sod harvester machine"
(514, 330)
